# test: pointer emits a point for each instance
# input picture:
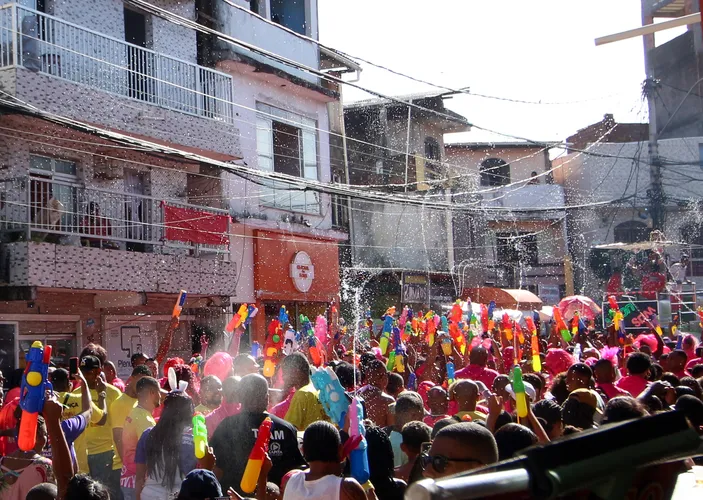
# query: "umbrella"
(585, 306)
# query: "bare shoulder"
(352, 490)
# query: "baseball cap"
(200, 484)
(587, 396)
(529, 390)
(90, 363)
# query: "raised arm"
(165, 344)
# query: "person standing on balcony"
(95, 224)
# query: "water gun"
(407, 331)
(446, 345)
(332, 397)
(256, 457)
(575, 324)
(577, 353)
(519, 390)
(491, 308)
(321, 329)
(402, 321)
(451, 374)
(358, 458)
(35, 383)
(398, 361)
(252, 311)
(518, 332)
(484, 318)
(617, 314)
(700, 316)
(386, 333)
(457, 337)
(274, 343)
(655, 324)
(455, 313)
(445, 324)
(561, 326)
(390, 311)
(412, 381)
(195, 363)
(534, 344)
(307, 331)
(431, 327)
(290, 342)
(180, 302)
(507, 327)
(237, 319)
(679, 341)
(283, 316)
(199, 435)
(255, 348)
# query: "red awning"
(505, 298)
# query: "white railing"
(68, 213)
(280, 196)
(50, 45)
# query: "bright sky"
(537, 51)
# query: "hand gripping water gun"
(252, 311)
(274, 343)
(358, 459)
(237, 319)
(386, 333)
(519, 390)
(332, 397)
(451, 374)
(561, 326)
(199, 435)
(180, 302)
(35, 383)
(308, 332)
(507, 326)
(256, 457)
(534, 344)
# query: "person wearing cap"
(200, 484)
(582, 409)
(103, 463)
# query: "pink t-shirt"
(481, 373)
(213, 419)
(634, 384)
(694, 362)
(612, 391)
(281, 408)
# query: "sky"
(541, 51)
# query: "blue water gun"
(358, 458)
(386, 333)
(399, 361)
(252, 311)
(451, 373)
(412, 381)
(332, 396)
(445, 324)
(283, 316)
(35, 383)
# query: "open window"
(291, 14)
(494, 172)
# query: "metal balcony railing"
(68, 213)
(43, 43)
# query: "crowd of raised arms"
(335, 417)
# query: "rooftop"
(502, 145)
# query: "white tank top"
(325, 488)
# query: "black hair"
(498, 380)
(395, 383)
(504, 418)
(43, 491)
(678, 352)
(296, 361)
(141, 371)
(345, 373)
(549, 411)
(623, 408)
(692, 408)
(671, 378)
(137, 355)
(230, 389)
(321, 442)
(652, 404)
(380, 452)
(697, 371)
(96, 350)
(163, 445)
(558, 388)
(474, 436)
(208, 380)
(253, 390)
(414, 434)
(60, 379)
(147, 383)
(581, 368)
(578, 414)
(683, 390)
(86, 488)
(512, 438)
(409, 401)
(638, 363)
(441, 424)
(655, 372)
(536, 380)
(693, 384)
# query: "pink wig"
(558, 361)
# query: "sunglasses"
(440, 462)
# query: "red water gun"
(457, 337)
(507, 327)
(561, 326)
(35, 383)
(575, 324)
(484, 318)
(272, 348)
(239, 318)
(456, 313)
(256, 457)
(534, 344)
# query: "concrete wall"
(522, 161)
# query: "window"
(53, 192)
(517, 248)
(631, 232)
(287, 143)
(291, 14)
(494, 172)
(693, 235)
(432, 151)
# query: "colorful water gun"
(403, 320)
(491, 308)
(457, 336)
(654, 321)
(196, 362)
(358, 458)
(561, 326)
(412, 381)
(519, 390)
(534, 344)
(518, 331)
(700, 316)
(252, 311)
(272, 349)
(679, 341)
(446, 344)
(484, 318)
(431, 327)
(456, 313)
(407, 331)
(237, 319)
(507, 326)
(332, 397)
(180, 302)
(255, 349)
(618, 317)
(321, 329)
(577, 353)
(398, 352)
(575, 324)
(451, 374)
(283, 316)
(445, 324)
(35, 383)
(386, 333)
(199, 435)
(256, 457)
(306, 330)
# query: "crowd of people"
(429, 414)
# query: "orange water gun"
(700, 316)
(518, 332)
(507, 327)
(272, 348)
(256, 457)
(180, 302)
(455, 313)
(457, 337)
(561, 325)
(534, 344)
(431, 327)
(575, 324)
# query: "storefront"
(300, 273)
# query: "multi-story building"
(522, 238)
(99, 235)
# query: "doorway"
(137, 210)
(140, 63)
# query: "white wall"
(522, 161)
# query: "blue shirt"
(72, 427)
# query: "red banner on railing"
(196, 226)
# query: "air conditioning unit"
(107, 168)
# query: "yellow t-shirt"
(99, 437)
(305, 408)
(73, 403)
(475, 415)
(136, 423)
(119, 411)
(203, 409)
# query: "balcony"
(48, 45)
(63, 235)
(525, 197)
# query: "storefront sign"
(302, 272)
(549, 294)
(636, 313)
(416, 289)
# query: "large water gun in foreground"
(306, 330)
(358, 459)
(199, 435)
(534, 344)
(561, 325)
(272, 348)
(238, 319)
(332, 397)
(35, 383)
(180, 302)
(519, 390)
(256, 457)
(386, 333)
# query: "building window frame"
(494, 172)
